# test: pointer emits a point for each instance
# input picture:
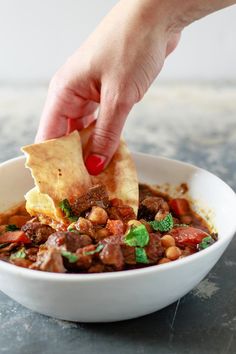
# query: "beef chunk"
(150, 206)
(128, 254)
(71, 240)
(85, 260)
(96, 196)
(49, 259)
(112, 255)
(120, 211)
(37, 232)
(154, 249)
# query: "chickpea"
(102, 233)
(164, 260)
(167, 241)
(173, 253)
(134, 223)
(84, 226)
(98, 215)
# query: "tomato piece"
(115, 227)
(180, 206)
(188, 236)
(14, 236)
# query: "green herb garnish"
(72, 258)
(97, 250)
(12, 227)
(66, 208)
(206, 242)
(140, 255)
(137, 236)
(19, 254)
(163, 225)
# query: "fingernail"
(95, 164)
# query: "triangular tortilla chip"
(59, 173)
(58, 168)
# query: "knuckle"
(103, 139)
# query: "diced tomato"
(188, 236)
(115, 227)
(14, 236)
(180, 206)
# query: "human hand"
(113, 68)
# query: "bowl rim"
(85, 277)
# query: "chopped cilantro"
(137, 236)
(206, 242)
(19, 254)
(66, 208)
(11, 227)
(140, 255)
(97, 250)
(72, 258)
(73, 218)
(163, 225)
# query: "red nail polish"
(95, 164)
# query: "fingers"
(80, 123)
(61, 104)
(106, 135)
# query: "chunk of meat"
(154, 249)
(128, 254)
(96, 196)
(14, 237)
(188, 236)
(8, 247)
(37, 232)
(49, 259)
(112, 255)
(96, 268)
(85, 260)
(119, 211)
(71, 240)
(20, 262)
(150, 206)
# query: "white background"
(37, 36)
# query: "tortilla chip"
(58, 168)
(39, 204)
(59, 173)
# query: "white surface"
(37, 36)
(128, 294)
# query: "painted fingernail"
(95, 164)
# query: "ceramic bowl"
(126, 294)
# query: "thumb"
(106, 135)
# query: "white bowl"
(125, 294)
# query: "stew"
(104, 235)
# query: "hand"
(113, 68)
